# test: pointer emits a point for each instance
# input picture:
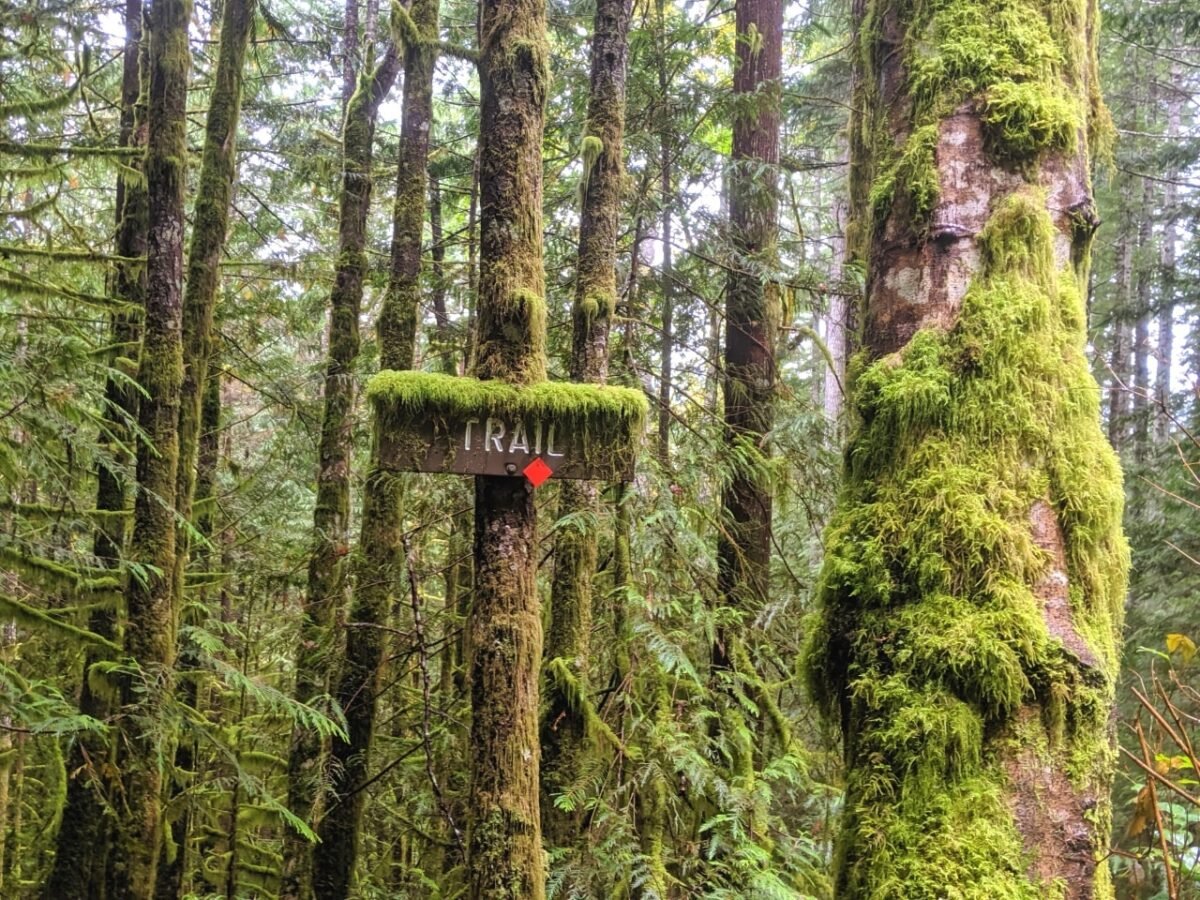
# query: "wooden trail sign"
(440, 423)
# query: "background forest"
(651, 786)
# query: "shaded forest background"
(65, 150)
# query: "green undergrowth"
(604, 409)
(1020, 63)
(931, 632)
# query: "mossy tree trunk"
(751, 321)
(377, 559)
(210, 223)
(331, 517)
(150, 622)
(564, 734)
(975, 572)
(505, 858)
(84, 837)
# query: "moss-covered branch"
(36, 619)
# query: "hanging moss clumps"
(939, 628)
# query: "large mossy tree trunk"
(975, 572)
(505, 860)
(564, 732)
(150, 612)
(85, 835)
(331, 517)
(751, 322)
(377, 558)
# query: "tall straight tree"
(973, 590)
(85, 833)
(331, 516)
(666, 205)
(564, 725)
(505, 857)
(376, 560)
(210, 224)
(751, 320)
(150, 612)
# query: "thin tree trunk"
(210, 223)
(751, 315)
(85, 835)
(564, 723)
(457, 578)
(837, 324)
(751, 319)
(9, 753)
(150, 627)
(1144, 271)
(331, 517)
(376, 564)
(667, 343)
(350, 60)
(1119, 362)
(505, 857)
(973, 587)
(1169, 275)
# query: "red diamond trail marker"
(537, 472)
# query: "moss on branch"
(616, 411)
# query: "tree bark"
(564, 722)
(972, 594)
(331, 517)
(748, 382)
(505, 857)
(1169, 275)
(837, 330)
(151, 614)
(377, 560)
(666, 202)
(751, 314)
(1119, 362)
(1145, 272)
(210, 224)
(85, 835)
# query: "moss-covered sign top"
(440, 423)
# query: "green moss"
(1022, 119)
(931, 633)
(959, 50)
(914, 171)
(589, 152)
(598, 303)
(1025, 71)
(623, 410)
(513, 344)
